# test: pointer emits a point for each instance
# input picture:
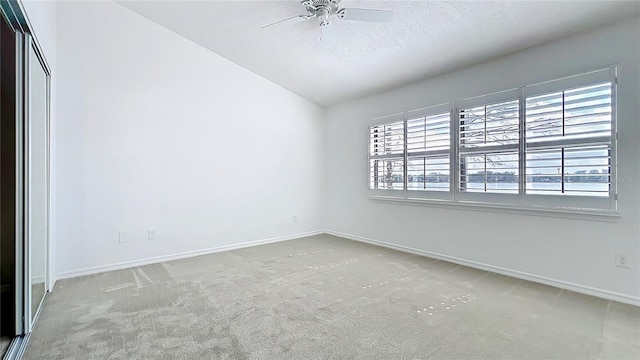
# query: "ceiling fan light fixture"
(323, 14)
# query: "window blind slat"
(428, 133)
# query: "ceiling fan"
(326, 10)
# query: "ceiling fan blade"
(327, 34)
(293, 19)
(367, 15)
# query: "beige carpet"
(4, 345)
(325, 298)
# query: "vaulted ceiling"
(426, 38)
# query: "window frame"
(484, 100)
(608, 203)
(568, 203)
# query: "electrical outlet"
(622, 260)
(122, 237)
(152, 234)
(294, 218)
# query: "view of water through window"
(560, 145)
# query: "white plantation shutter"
(489, 172)
(580, 114)
(581, 171)
(387, 174)
(428, 150)
(569, 140)
(386, 156)
(551, 144)
(493, 125)
(429, 134)
(488, 143)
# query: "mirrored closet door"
(25, 80)
(38, 176)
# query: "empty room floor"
(4, 345)
(324, 297)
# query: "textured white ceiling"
(426, 38)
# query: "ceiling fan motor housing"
(322, 9)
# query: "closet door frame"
(29, 44)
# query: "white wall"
(42, 16)
(156, 131)
(579, 252)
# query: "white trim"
(429, 111)
(427, 194)
(387, 119)
(509, 208)
(570, 82)
(569, 143)
(605, 294)
(183, 255)
(487, 100)
(38, 279)
(482, 149)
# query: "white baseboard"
(158, 259)
(52, 283)
(37, 279)
(605, 294)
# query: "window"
(386, 156)
(558, 127)
(428, 150)
(549, 144)
(489, 141)
(569, 152)
(421, 139)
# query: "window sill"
(555, 212)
